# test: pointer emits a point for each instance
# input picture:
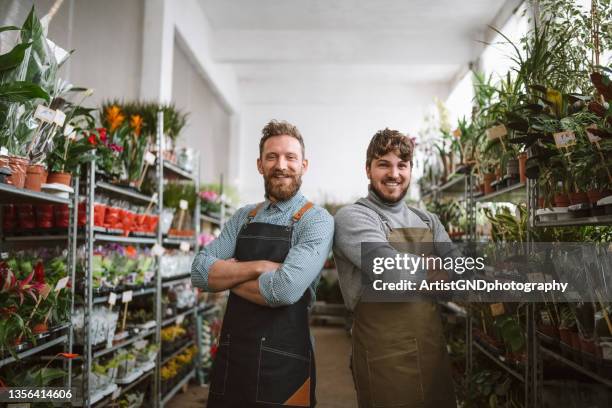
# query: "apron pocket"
(283, 377)
(220, 368)
(394, 375)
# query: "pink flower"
(115, 148)
(209, 196)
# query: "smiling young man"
(399, 356)
(269, 255)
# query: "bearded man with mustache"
(269, 255)
(399, 356)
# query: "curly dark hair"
(387, 140)
(279, 128)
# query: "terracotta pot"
(561, 200)
(579, 197)
(19, 167)
(44, 216)
(4, 161)
(594, 196)
(140, 223)
(488, 179)
(99, 214)
(25, 217)
(522, 158)
(128, 221)
(59, 178)
(62, 215)
(34, 177)
(9, 218)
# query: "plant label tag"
(68, 130)
(112, 299)
(127, 296)
(4, 255)
(157, 250)
(139, 345)
(44, 114)
(564, 139)
(593, 138)
(496, 132)
(61, 284)
(497, 309)
(149, 158)
(183, 204)
(607, 351)
(184, 246)
(154, 198)
(180, 319)
(60, 118)
(116, 393)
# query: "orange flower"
(69, 356)
(136, 124)
(114, 117)
(130, 250)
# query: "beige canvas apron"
(399, 350)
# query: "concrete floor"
(334, 383)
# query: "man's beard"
(282, 192)
(387, 199)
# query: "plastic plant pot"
(62, 216)
(152, 221)
(18, 166)
(9, 218)
(82, 214)
(44, 216)
(99, 214)
(111, 217)
(140, 223)
(25, 217)
(127, 220)
(34, 177)
(59, 178)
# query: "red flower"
(39, 273)
(92, 139)
(115, 148)
(102, 133)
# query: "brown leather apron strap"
(300, 213)
(254, 211)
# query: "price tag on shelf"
(60, 118)
(149, 158)
(496, 132)
(593, 138)
(61, 284)
(127, 296)
(564, 139)
(44, 114)
(4, 255)
(497, 309)
(112, 298)
(183, 204)
(158, 250)
(116, 393)
(139, 345)
(180, 319)
(185, 246)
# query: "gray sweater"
(356, 223)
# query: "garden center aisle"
(334, 384)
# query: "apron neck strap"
(300, 213)
(254, 212)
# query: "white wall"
(208, 125)
(336, 139)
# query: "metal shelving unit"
(177, 387)
(63, 333)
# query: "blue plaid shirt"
(310, 246)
